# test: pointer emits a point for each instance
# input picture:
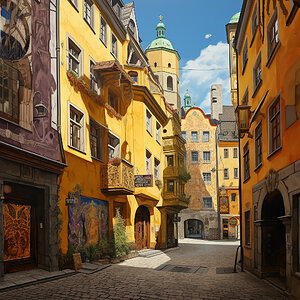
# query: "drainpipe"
(240, 172)
(63, 158)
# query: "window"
(169, 65)
(258, 145)
(205, 136)
(274, 126)
(235, 152)
(207, 177)
(233, 197)
(236, 173)
(155, 65)
(245, 54)
(112, 100)
(148, 122)
(245, 99)
(97, 133)
(93, 81)
(273, 34)
(75, 3)
(148, 162)
(76, 123)
(156, 169)
(74, 57)
(254, 21)
(206, 157)
(206, 202)
(226, 153)
(247, 228)
(170, 160)
(194, 156)
(257, 77)
(103, 31)
(134, 76)
(170, 186)
(113, 146)
(158, 133)
(183, 133)
(114, 46)
(9, 91)
(88, 12)
(246, 161)
(170, 83)
(226, 173)
(194, 136)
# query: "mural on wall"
(88, 221)
(16, 226)
(27, 84)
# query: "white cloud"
(208, 35)
(211, 66)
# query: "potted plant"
(115, 161)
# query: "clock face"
(15, 34)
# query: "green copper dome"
(235, 18)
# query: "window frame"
(156, 169)
(170, 87)
(233, 198)
(104, 40)
(203, 134)
(226, 173)
(203, 176)
(170, 160)
(257, 140)
(246, 95)
(271, 151)
(235, 149)
(246, 161)
(149, 125)
(183, 134)
(79, 59)
(254, 18)
(97, 125)
(91, 5)
(195, 161)
(115, 103)
(158, 132)
(226, 153)
(93, 80)
(194, 139)
(115, 55)
(206, 161)
(82, 125)
(247, 235)
(245, 55)
(236, 176)
(205, 202)
(257, 80)
(168, 186)
(114, 148)
(148, 159)
(271, 50)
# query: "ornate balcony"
(178, 201)
(117, 178)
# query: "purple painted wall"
(25, 46)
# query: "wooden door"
(142, 228)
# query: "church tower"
(164, 61)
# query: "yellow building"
(200, 220)
(115, 113)
(268, 47)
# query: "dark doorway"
(193, 229)
(170, 231)
(23, 227)
(273, 236)
(142, 228)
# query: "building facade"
(267, 43)
(200, 220)
(30, 141)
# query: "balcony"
(117, 179)
(178, 201)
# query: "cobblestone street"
(140, 278)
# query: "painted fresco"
(16, 225)
(26, 79)
(88, 221)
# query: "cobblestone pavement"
(138, 279)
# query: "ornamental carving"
(272, 181)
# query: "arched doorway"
(193, 228)
(273, 236)
(142, 228)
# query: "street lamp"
(243, 113)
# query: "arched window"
(170, 83)
(134, 76)
(169, 65)
(155, 65)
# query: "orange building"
(267, 43)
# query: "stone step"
(149, 253)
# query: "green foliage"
(91, 252)
(121, 246)
(184, 174)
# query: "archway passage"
(193, 228)
(142, 228)
(273, 236)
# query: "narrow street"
(191, 271)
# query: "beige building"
(200, 220)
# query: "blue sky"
(187, 23)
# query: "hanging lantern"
(41, 109)
(243, 118)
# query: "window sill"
(206, 162)
(194, 162)
(257, 89)
(253, 37)
(244, 67)
(89, 25)
(74, 148)
(195, 141)
(235, 178)
(98, 159)
(207, 182)
(226, 178)
(257, 167)
(274, 152)
(105, 44)
(272, 55)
